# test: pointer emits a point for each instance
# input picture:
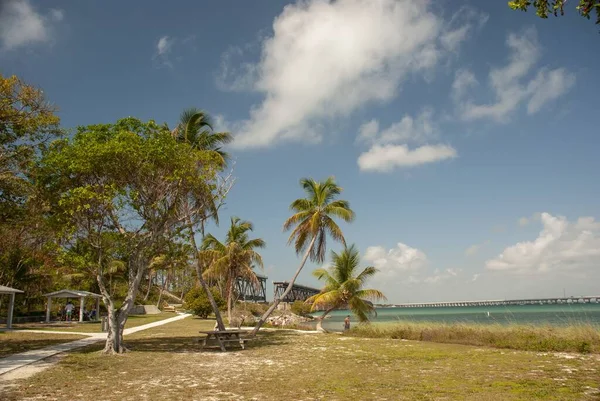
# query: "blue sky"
(462, 132)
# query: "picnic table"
(223, 337)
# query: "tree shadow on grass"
(8, 348)
(188, 344)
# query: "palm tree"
(344, 287)
(234, 258)
(313, 221)
(195, 127)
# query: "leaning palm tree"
(234, 258)
(313, 221)
(344, 287)
(196, 128)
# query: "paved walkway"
(17, 361)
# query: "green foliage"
(27, 250)
(196, 301)
(196, 128)
(313, 217)
(344, 285)
(545, 7)
(301, 308)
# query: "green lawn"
(166, 363)
(13, 342)
(93, 327)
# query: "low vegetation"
(582, 338)
(168, 365)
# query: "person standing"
(69, 310)
(347, 323)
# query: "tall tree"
(543, 8)
(119, 189)
(234, 258)
(344, 287)
(313, 221)
(196, 129)
(27, 123)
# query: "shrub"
(197, 301)
(300, 308)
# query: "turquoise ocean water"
(560, 315)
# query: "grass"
(166, 363)
(13, 342)
(582, 338)
(93, 327)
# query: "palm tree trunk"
(211, 299)
(321, 318)
(276, 301)
(229, 301)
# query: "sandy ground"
(8, 379)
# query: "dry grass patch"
(582, 338)
(14, 342)
(93, 327)
(167, 364)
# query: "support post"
(81, 308)
(11, 306)
(97, 308)
(48, 309)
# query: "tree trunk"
(320, 320)
(165, 283)
(211, 299)
(149, 286)
(118, 318)
(276, 302)
(229, 301)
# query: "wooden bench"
(224, 337)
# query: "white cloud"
(389, 147)
(472, 250)
(475, 248)
(463, 23)
(384, 158)
(510, 83)
(326, 59)
(407, 130)
(475, 277)
(163, 46)
(560, 246)
(22, 25)
(395, 262)
(463, 81)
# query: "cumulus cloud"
(326, 59)
(512, 84)
(395, 262)
(22, 25)
(561, 245)
(389, 149)
(384, 158)
(408, 130)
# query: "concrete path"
(17, 361)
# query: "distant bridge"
(298, 292)
(249, 291)
(501, 302)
